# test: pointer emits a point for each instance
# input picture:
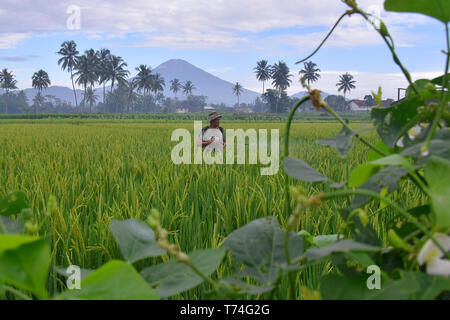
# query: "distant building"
(181, 110)
(358, 106)
(208, 108)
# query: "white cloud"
(11, 40)
(196, 24)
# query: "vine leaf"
(386, 177)
(174, 277)
(260, 246)
(136, 240)
(342, 141)
(24, 262)
(338, 247)
(439, 9)
(439, 187)
(116, 280)
(302, 171)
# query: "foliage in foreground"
(414, 145)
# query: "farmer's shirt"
(218, 134)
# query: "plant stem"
(399, 209)
(201, 274)
(442, 103)
(391, 48)
(288, 198)
(17, 293)
(286, 148)
(328, 35)
(338, 117)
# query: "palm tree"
(132, 95)
(143, 79)
(281, 78)
(237, 90)
(90, 97)
(262, 71)
(346, 83)
(69, 54)
(175, 86)
(117, 71)
(158, 83)
(103, 57)
(40, 80)
(7, 82)
(310, 72)
(86, 71)
(188, 88)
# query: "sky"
(223, 37)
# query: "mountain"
(215, 89)
(63, 93)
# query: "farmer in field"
(212, 137)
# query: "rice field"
(101, 170)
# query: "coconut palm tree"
(346, 83)
(175, 86)
(280, 78)
(158, 83)
(132, 95)
(262, 71)
(103, 56)
(310, 72)
(237, 90)
(69, 54)
(86, 71)
(188, 88)
(143, 79)
(7, 82)
(90, 97)
(40, 80)
(117, 71)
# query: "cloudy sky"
(224, 37)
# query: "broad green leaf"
(437, 174)
(246, 288)
(12, 241)
(439, 146)
(394, 160)
(260, 246)
(361, 174)
(430, 286)
(2, 291)
(392, 121)
(335, 287)
(116, 280)
(136, 240)
(24, 263)
(326, 239)
(439, 80)
(386, 177)
(342, 141)
(373, 155)
(173, 277)
(13, 204)
(439, 9)
(338, 247)
(302, 171)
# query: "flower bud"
(31, 228)
(182, 257)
